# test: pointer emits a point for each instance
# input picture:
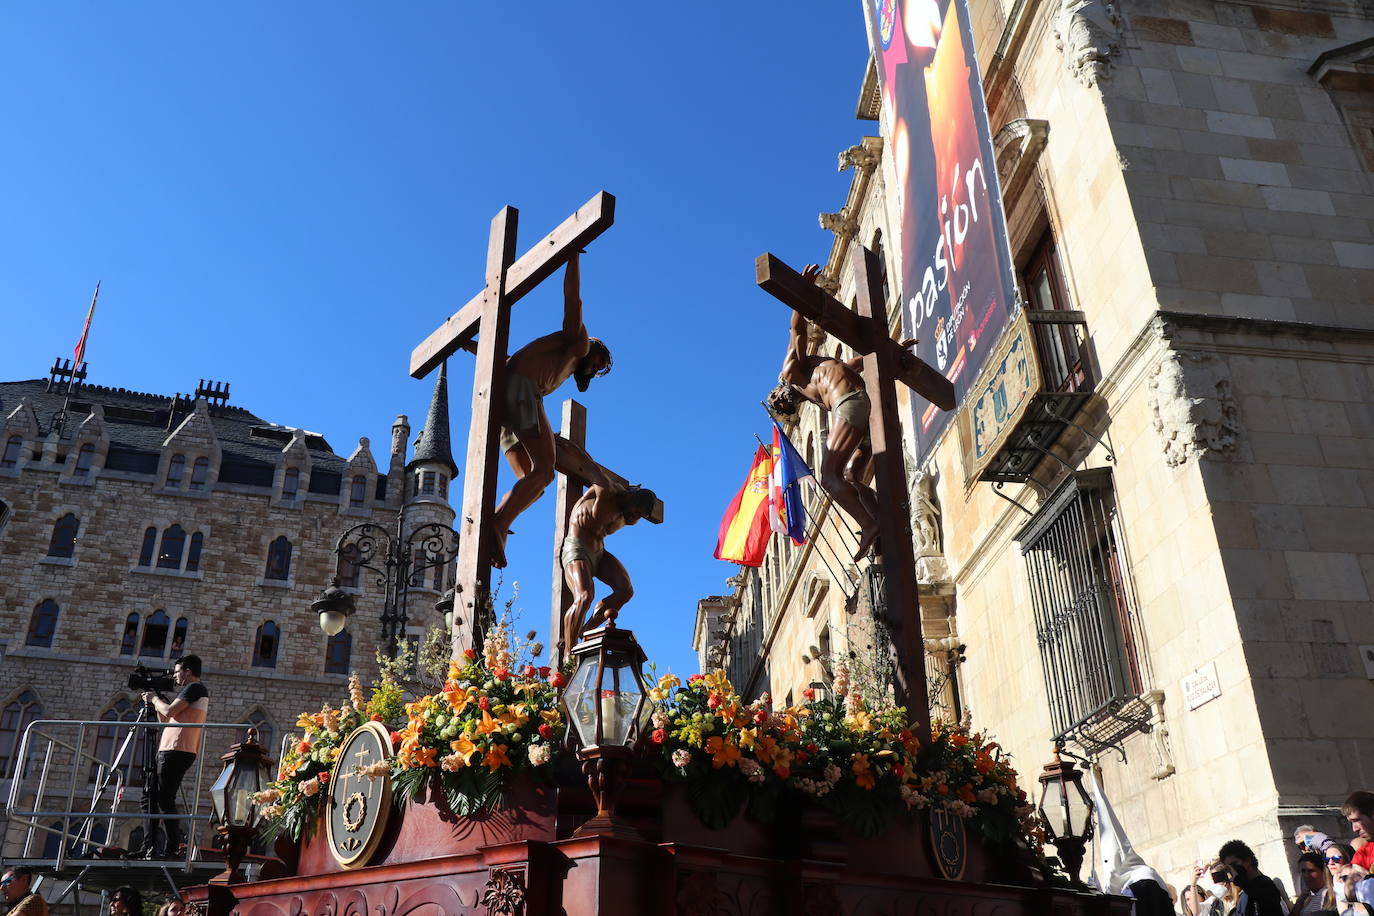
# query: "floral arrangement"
(861, 762)
(495, 716)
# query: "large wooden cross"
(486, 317)
(575, 474)
(865, 330)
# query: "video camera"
(159, 681)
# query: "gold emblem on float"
(358, 805)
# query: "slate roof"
(433, 444)
(138, 421)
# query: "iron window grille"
(1086, 618)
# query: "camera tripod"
(83, 846)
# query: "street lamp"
(1066, 813)
(399, 563)
(605, 702)
(247, 770)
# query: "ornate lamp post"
(399, 563)
(605, 702)
(1066, 813)
(247, 770)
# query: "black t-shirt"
(1263, 897)
(192, 692)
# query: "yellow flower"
(458, 697)
(861, 721)
(496, 758)
(515, 715)
(657, 694)
(746, 738)
(551, 716)
(723, 753)
(464, 749)
(863, 772)
(304, 721)
(488, 725)
(668, 682)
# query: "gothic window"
(179, 637)
(279, 559)
(63, 543)
(42, 624)
(267, 735)
(173, 543)
(121, 714)
(338, 653)
(357, 491)
(443, 485)
(174, 470)
(12, 448)
(145, 554)
(1084, 604)
(291, 482)
(14, 718)
(1061, 361)
(200, 469)
(348, 569)
(265, 644)
(427, 482)
(155, 635)
(84, 456)
(130, 637)
(193, 554)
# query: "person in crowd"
(176, 752)
(1349, 879)
(17, 884)
(126, 901)
(1259, 895)
(1359, 811)
(1338, 854)
(1190, 899)
(173, 907)
(1223, 895)
(1317, 892)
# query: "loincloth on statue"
(523, 404)
(853, 409)
(574, 549)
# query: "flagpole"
(80, 355)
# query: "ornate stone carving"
(1159, 735)
(830, 285)
(1194, 411)
(504, 894)
(842, 223)
(1088, 32)
(858, 157)
(925, 518)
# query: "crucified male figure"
(837, 386)
(534, 371)
(604, 509)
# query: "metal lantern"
(334, 607)
(606, 708)
(445, 606)
(247, 771)
(1066, 812)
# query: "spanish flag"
(744, 530)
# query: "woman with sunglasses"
(126, 902)
(1338, 854)
(1224, 894)
(1317, 893)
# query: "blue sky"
(289, 197)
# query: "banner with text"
(957, 286)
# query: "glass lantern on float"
(444, 606)
(334, 606)
(247, 771)
(1066, 813)
(605, 701)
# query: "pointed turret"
(433, 444)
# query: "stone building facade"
(142, 527)
(1178, 582)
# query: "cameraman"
(176, 751)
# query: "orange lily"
(496, 758)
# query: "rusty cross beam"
(885, 362)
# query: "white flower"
(660, 719)
(266, 796)
(271, 812)
(988, 796)
(841, 684)
(681, 757)
(751, 769)
(833, 774)
(540, 754)
(375, 769)
(958, 808)
(913, 798)
(310, 787)
(854, 703)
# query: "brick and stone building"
(1178, 583)
(143, 527)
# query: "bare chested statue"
(603, 510)
(534, 371)
(837, 386)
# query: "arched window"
(84, 456)
(173, 543)
(200, 469)
(145, 553)
(43, 624)
(357, 491)
(63, 543)
(348, 569)
(174, 470)
(265, 644)
(14, 718)
(13, 445)
(290, 483)
(279, 559)
(130, 637)
(179, 637)
(155, 634)
(267, 735)
(108, 739)
(193, 554)
(338, 652)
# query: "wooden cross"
(487, 318)
(865, 330)
(575, 474)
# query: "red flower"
(557, 679)
(395, 737)
(659, 736)
(484, 703)
(760, 716)
(470, 653)
(546, 731)
(544, 671)
(713, 701)
(531, 671)
(694, 678)
(904, 734)
(809, 694)
(375, 717)
(324, 778)
(898, 770)
(811, 746)
(303, 747)
(802, 756)
(500, 674)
